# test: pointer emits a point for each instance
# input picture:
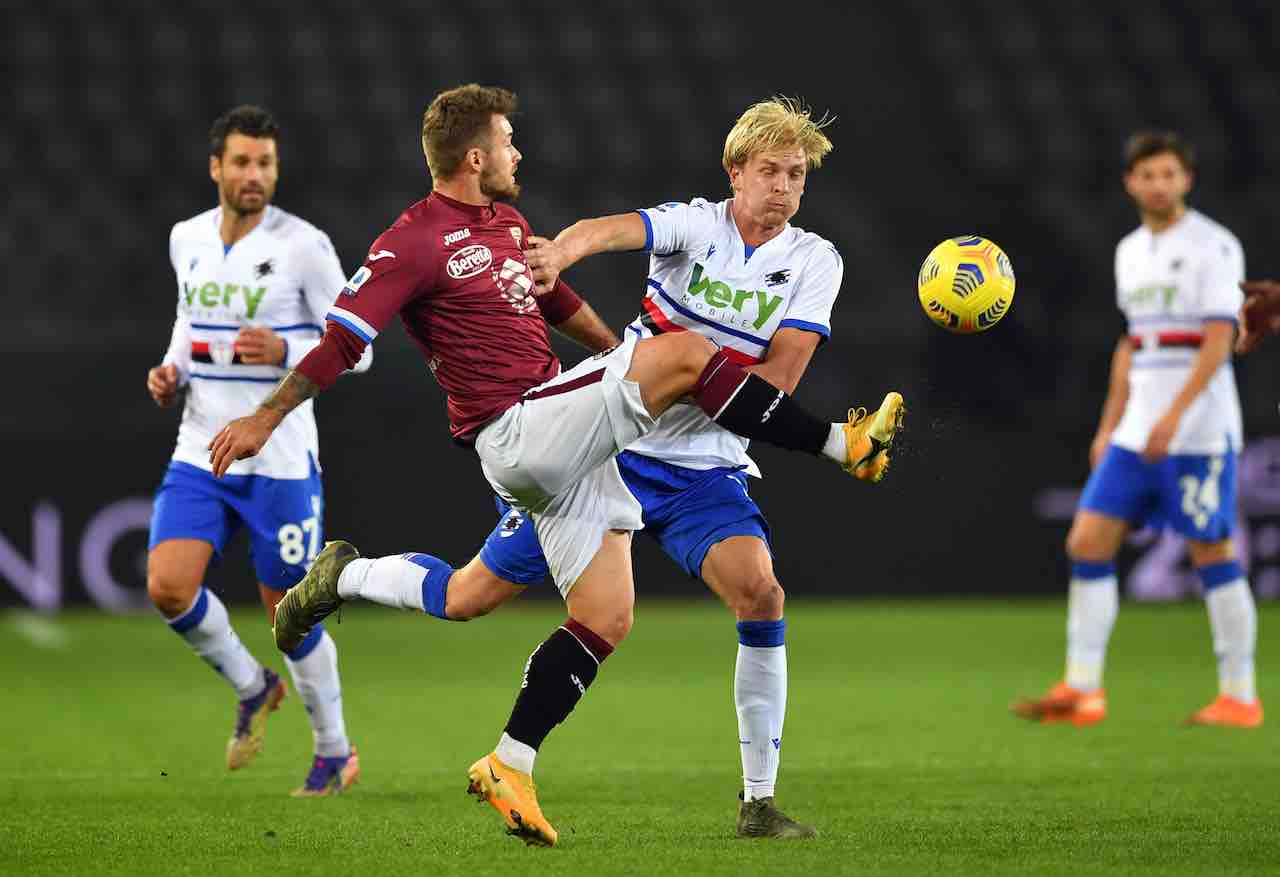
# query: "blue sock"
(1215, 575)
(1087, 571)
(434, 584)
(762, 634)
(308, 645)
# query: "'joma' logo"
(262, 269)
(777, 278)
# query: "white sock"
(207, 628)
(760, 695)
(1233, 618)
(392, 581)
(1092, 605)
(315, 676)
(836, 447)
(513, 753)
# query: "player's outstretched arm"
(586, 237)
(245, 437)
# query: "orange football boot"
(1227, 712)
(512, 794)
(1064, 704)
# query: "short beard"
(1162, 214)
(237, 205)
(504, 193)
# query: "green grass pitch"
(898, 746)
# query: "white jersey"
(283, 275)
(1169, 285)
(703, 278)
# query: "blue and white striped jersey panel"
(1170, 286)
(283, 275)
(704, 278)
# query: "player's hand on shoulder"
(162, 384)
(546, 260)
(240, 439)
(258, 345)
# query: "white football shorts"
(551, 455)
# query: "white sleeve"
(815, 293)
(1218, 281)
(179, 352)
(676, 227)
(322, 280)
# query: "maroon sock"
(557, 676)
(754, 408)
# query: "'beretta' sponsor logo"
(469, 261)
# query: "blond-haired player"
(739, 274)
(1166, 447)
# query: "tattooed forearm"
(291, 392)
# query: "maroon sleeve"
(339, 350)
(396, 270)
(559, 304)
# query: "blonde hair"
(777, 122)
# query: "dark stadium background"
(994, 117)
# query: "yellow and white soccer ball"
(966, 284)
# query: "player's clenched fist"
(258, 345)
(162, 384)
(240, 439)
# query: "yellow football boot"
(512, 794)
(869, 437)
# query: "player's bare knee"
(687, 353)
(171, 596)
(760, 598)
(612, 626)
(1082, 545)
(696, 352)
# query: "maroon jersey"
(457, 275)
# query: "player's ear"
(215, 168)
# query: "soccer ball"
(966, 284)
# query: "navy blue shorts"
(686, 510)
(1194, 494)
(284, 516)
